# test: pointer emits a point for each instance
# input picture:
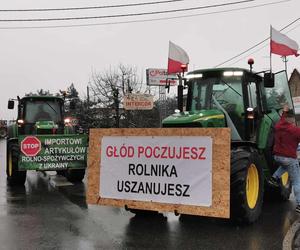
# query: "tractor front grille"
(44, 131)
(29, 129)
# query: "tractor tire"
(285, 188)
(14, 176)
(246, 187)
(281, 193)
(75, 175)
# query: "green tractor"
(250, 104)
(42, 139)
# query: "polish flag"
(177, 58)
(282, 45)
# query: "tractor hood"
(200, 118)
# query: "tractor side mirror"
(11, 104)
(269, 81)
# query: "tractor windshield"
(222, 93)
(42, 110)
(211, 93)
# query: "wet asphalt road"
(49, 213)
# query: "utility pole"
(116, 100)
(86, 110)
(88, 97)
(162, 104)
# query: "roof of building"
(294, 76)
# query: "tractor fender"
(12, 131)
(12, 140)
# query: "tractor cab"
(249, 104)
(40, 130)
(40, 115)
(232, 97)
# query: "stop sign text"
(30, 146)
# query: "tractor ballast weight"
(250, 104)
(41, 140)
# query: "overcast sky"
(53, 58)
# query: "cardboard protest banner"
(168, 169)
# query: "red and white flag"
(282, 45)
(177, 58)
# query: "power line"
(257, 44)
(142, 20)
(123, 15)
(259, 49)
(91, 7)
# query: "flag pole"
(285, 62)
(270, 49)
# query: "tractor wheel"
(14, 176)
(285, 188)
(246, 188)
(75, 175)
(281, 193)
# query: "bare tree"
(109, 89)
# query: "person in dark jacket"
(287, 138)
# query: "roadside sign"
(74, 121)
(160, 77)
(30, 146)
(138, 102)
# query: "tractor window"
(199, 93)
(280, 94)
(228, 93)
(37, 110)
(252, 95)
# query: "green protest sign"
(52, 152)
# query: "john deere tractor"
(42, 139)
(250, 104)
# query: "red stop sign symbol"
(30, 146)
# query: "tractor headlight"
(67, 120)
